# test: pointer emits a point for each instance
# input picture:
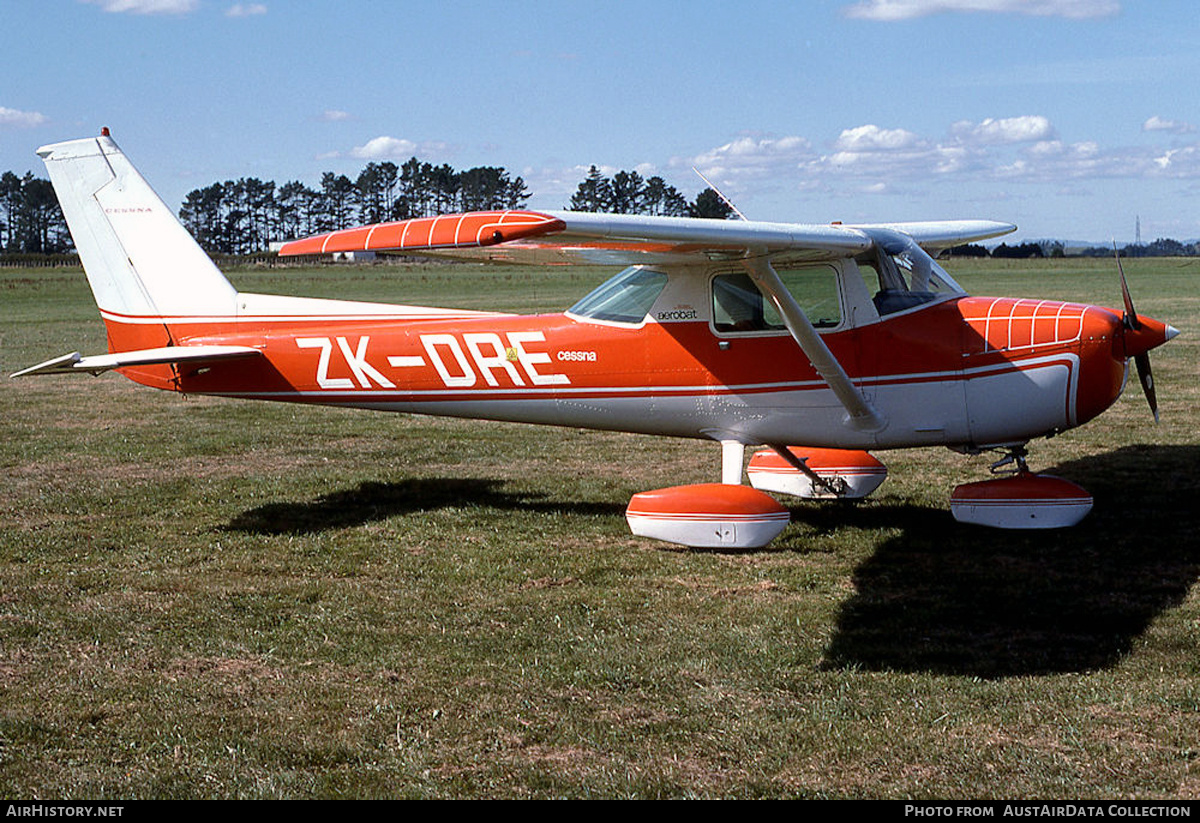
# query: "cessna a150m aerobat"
(819, 342)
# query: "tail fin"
(141, 263)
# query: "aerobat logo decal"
(681, 312)
(460, 360)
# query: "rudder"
(141, 263)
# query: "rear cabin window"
(738, 305)
(626, 298)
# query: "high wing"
(620, 239)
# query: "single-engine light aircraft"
(820, 343)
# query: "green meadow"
(218, 599)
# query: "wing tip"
(475, 229)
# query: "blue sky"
(1071, 118)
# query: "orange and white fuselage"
(967, 372)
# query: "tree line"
(244, 216)
(31, 221)
(626, 192)
(1163, 247)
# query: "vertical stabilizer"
(140, 260)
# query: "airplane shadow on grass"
(373, 501)
(950, 598)
(941, 597)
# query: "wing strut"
(861, 414)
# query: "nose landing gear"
(1020, 499)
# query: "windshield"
(625, 298)
(907, 276)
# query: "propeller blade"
(1145, 373)
(1146, 376)
(1131, 318)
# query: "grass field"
(203, 598)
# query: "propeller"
(1131, 322)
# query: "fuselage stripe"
(636, 392)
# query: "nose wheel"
(1020, 499)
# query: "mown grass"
(202, 598)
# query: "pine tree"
(710, 204)
(594, 194)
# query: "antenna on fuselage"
(721, 194)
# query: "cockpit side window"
(738, 306)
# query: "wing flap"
(74, 363)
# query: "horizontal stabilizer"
(74, 362)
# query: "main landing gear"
(731, 515)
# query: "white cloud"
(761, 159)
(1026, 149)
(147, 6)
(951, 159)
(870, 138)
(893, 10)
(1157, 123)
(747, 151)
(246, 10)
(1047, 148)
(383, 148)
(1054, 160)
(1025, 157)
(874, 159)
(334, 116)
(1025, 129)
(1179, 163)
(888, 154)
(580, 171)
(552, 187)
(396, 148)
(20, 119)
